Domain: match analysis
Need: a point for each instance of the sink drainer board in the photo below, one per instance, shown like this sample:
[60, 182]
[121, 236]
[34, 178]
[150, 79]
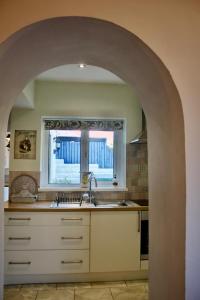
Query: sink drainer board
[68, 198]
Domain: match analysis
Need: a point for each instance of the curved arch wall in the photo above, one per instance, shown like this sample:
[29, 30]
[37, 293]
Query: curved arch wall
[58, 41]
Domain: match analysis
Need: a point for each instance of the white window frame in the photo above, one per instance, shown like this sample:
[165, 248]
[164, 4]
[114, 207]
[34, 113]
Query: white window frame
[119, 163]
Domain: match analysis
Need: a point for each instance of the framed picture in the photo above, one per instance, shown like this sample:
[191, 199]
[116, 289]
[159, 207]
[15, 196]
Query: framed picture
[25, 144]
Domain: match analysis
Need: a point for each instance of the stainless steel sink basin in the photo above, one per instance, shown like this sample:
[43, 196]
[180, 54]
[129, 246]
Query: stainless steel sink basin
[122, 203]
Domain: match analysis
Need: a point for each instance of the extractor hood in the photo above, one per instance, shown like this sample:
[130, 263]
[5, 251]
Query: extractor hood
[141, 138]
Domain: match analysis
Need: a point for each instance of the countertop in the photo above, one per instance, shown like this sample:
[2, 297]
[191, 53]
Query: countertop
[45, 206]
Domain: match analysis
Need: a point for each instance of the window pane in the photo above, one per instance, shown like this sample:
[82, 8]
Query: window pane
[101, 154]
[64, 156]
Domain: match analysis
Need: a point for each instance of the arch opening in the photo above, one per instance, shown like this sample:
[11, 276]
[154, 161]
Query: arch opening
[69, 40]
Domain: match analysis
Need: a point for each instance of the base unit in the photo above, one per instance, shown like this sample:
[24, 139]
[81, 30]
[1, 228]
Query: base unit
[46, 262]
[72, 247]
[115, 241]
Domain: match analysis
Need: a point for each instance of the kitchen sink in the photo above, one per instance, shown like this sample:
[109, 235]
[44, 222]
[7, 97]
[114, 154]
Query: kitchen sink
[121, 203]
[96, 203]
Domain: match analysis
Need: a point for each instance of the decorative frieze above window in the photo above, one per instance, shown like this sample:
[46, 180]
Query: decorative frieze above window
[74, 124]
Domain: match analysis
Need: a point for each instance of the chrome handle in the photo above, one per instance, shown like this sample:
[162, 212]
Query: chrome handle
[20, 238]
[19, 219]
[71, 238]
[71, 219]
[19, 262]
[71, 261]
[139, 221]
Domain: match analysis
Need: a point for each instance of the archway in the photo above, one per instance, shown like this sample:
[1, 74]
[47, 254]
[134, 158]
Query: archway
[67, 40]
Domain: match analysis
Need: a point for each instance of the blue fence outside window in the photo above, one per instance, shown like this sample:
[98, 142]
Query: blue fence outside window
[68, 149]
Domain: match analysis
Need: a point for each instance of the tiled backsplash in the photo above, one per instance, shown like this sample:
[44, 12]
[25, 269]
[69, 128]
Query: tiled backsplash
[136, 177]
[137, 171]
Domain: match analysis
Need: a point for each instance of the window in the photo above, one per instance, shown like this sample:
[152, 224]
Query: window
[74, 146]
[101, 154]
[64, 157]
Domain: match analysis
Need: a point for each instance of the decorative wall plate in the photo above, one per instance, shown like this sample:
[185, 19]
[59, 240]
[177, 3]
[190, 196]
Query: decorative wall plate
[23, 188]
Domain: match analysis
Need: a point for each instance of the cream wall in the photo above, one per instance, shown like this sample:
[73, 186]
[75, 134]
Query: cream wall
[26, 98]
[29, 91]
[74, 99]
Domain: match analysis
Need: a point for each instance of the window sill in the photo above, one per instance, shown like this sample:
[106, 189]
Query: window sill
[79, 189]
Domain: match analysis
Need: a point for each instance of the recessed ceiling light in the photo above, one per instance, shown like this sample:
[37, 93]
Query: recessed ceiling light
[82, 66]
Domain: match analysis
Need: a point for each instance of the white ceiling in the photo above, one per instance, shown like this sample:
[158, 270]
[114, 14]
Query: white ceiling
[74, 73]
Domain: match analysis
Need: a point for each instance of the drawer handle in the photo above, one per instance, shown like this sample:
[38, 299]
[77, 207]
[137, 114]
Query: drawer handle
[71, 261]
[19, 219]
[19, 262]
[28, 238]
[71, 238]
[71, 219]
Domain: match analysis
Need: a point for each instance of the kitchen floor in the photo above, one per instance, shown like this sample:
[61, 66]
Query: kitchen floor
[118, 290]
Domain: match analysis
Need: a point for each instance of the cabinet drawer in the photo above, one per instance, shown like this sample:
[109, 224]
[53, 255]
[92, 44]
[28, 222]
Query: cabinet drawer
[46, 262]
[47, 218]
[46, 237]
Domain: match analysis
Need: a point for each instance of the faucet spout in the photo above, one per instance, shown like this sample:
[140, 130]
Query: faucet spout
[91, 178]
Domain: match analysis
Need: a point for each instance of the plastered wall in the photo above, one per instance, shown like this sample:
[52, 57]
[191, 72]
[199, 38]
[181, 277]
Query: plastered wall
[74, 99]
[171, 30]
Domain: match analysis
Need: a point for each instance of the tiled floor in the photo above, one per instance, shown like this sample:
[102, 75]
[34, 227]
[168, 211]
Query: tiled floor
[119, 290]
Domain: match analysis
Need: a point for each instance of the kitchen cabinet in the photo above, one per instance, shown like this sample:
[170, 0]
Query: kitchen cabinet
[115, 241]
[46, 243]
[85, 245]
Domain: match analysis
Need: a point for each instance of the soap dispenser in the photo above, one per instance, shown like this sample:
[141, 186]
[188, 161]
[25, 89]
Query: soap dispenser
[114, 181]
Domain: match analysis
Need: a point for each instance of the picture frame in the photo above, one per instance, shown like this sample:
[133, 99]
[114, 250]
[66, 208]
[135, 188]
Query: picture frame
[25, 144]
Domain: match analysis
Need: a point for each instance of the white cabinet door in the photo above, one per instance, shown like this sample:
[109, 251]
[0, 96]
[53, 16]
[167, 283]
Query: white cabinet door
[115, 241]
